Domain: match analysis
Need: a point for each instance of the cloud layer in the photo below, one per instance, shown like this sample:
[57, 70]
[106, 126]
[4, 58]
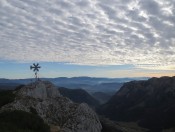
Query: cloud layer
[88, 32]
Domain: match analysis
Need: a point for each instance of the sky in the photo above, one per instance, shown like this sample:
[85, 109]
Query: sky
[98, 38]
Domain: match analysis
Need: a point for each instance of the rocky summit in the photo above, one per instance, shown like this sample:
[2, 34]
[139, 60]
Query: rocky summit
[63, 115]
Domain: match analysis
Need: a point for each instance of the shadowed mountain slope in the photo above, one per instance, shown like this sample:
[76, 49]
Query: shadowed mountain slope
[150, 103]
[79, 96]
[102, 96]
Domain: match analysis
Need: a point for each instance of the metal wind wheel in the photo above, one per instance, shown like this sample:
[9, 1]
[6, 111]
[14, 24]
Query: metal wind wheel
[35, 68]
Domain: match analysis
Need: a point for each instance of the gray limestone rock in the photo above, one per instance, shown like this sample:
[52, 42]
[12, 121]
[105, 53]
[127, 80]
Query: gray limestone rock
[54, 109]
[40, 89]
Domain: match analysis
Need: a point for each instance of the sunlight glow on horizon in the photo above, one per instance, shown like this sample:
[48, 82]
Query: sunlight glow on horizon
[53, 70]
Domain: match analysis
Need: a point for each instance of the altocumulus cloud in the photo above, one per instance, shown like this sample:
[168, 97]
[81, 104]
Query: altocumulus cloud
[88, 32]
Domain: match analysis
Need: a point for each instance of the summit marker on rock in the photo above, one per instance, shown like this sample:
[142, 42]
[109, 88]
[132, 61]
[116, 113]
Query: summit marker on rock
[35, 68]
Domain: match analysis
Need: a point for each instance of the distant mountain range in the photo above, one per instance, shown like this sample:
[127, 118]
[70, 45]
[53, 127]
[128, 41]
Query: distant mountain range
[90, 84]
[8, 86]
[151, 103]
[74, 80]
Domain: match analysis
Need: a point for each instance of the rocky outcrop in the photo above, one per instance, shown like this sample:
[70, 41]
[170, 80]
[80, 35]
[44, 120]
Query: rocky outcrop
[39, 89]
[44, 99]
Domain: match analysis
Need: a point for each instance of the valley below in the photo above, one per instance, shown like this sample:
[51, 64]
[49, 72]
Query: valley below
[138, 106]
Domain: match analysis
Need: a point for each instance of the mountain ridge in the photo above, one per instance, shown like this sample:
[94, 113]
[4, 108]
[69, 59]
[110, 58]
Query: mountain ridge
[28, 80]
[79, 96]
[150, 103]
